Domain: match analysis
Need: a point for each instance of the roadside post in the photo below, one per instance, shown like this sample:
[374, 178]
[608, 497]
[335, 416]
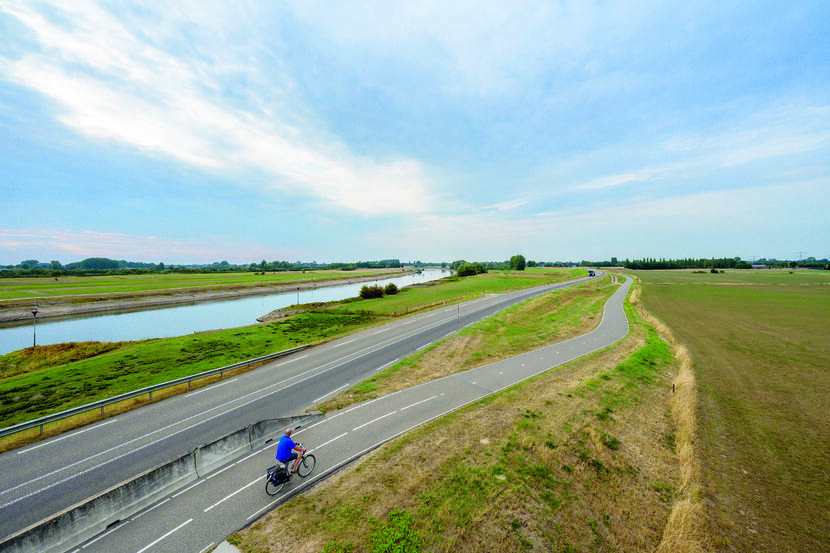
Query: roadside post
[34, 327]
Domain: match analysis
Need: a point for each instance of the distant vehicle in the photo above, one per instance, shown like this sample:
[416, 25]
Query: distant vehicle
[591, 273]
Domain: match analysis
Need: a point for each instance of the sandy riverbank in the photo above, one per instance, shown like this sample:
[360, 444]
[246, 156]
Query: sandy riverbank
[21, 310]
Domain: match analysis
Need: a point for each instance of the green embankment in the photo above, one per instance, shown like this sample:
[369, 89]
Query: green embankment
[36, 384]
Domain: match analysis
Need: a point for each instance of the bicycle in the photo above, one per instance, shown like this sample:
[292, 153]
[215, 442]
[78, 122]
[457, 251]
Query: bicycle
[278, 475]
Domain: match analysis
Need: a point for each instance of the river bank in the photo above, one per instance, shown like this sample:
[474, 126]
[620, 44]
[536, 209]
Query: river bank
[12, 311]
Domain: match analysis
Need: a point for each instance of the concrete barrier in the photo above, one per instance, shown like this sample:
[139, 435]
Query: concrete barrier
[89, 518]
[80, 522]
[270, 429]
[215, 454]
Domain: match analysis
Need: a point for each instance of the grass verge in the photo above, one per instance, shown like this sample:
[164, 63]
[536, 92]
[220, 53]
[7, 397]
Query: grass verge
[580, 458]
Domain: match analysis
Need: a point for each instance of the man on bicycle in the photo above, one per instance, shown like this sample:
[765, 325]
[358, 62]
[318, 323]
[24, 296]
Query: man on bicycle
[288, 450]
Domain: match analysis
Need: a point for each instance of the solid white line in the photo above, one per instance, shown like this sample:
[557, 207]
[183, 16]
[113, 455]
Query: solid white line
[249, 456]
[105, 534]
[204, 549]
[374, 420]
[219, 472]
[333, 439]
[182, 525]
[321, 398]
[141, 514]
[264, 508]
[188, 488]
[344, 343]
[50, 442]
[389, 364]
[211, 387]
[420, 402]
[246, 486]
[422, 347]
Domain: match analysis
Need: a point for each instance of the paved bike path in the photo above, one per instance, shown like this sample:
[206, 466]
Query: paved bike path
[197, 518]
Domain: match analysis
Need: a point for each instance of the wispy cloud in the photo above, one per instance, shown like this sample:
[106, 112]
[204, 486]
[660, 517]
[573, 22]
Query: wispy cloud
[113, 83]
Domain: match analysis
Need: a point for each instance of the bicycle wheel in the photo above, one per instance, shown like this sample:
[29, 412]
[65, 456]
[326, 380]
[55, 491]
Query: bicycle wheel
[307, 464]
[271, 488]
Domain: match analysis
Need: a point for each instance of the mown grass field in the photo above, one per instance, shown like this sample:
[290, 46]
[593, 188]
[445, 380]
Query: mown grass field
[50, 379]
[760, 346]
[581, 458]
[21, 288]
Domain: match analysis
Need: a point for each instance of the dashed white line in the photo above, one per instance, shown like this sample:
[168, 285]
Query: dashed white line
[243, 488]
[420, 402]
[343, 343]
[330, 441]
[179, 527]
[374, 420]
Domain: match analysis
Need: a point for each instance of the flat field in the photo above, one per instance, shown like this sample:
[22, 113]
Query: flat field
[21, 288]
[760, 346]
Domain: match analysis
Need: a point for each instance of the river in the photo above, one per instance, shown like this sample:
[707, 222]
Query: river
[184, 319]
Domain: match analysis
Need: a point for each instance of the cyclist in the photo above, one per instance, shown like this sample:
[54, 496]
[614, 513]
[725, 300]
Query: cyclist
[288, 450]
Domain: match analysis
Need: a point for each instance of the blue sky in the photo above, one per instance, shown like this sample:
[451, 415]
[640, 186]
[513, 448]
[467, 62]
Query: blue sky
[186, 133]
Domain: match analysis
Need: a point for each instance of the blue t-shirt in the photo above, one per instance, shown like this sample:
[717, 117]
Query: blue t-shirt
[284, 448]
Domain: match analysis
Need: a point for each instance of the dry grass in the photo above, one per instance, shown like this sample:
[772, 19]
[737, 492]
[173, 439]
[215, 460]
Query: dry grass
[578, 459]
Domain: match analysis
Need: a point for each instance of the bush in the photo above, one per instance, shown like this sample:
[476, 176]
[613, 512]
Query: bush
[368, 292]
[391, 289]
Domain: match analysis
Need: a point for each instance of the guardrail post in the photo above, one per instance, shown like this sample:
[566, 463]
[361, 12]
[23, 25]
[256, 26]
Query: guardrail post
[102, 410]
[41, 430]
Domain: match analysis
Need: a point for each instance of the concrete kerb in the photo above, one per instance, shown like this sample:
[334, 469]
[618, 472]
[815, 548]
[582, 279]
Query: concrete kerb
[90, 517]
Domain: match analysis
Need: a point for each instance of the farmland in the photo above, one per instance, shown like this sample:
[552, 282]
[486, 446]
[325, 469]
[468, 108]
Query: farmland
[760, 347]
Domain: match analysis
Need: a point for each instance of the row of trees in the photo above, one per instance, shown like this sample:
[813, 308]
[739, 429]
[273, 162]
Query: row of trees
[103, 265]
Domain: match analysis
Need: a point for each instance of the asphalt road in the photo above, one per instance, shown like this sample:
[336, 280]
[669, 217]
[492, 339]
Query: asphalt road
[202, 515]
[45, 478]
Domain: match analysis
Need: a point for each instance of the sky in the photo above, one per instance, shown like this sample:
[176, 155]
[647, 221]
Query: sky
[193, 132]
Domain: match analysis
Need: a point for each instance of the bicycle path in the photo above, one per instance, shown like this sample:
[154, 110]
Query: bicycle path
[199, 517]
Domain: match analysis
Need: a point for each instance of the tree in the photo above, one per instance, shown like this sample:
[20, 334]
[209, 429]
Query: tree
[368, 292]
[391, 289]
[466, 269]
[518, 262]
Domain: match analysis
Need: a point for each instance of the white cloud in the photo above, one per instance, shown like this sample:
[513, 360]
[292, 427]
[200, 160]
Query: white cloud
[115, 84]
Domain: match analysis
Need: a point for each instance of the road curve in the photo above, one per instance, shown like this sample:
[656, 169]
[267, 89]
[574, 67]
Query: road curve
[202, 515]
[45, 478]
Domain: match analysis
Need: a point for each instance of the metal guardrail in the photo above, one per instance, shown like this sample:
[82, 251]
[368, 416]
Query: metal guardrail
[148, 390]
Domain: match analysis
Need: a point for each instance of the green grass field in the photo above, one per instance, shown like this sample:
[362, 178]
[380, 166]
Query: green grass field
[54, 378]
[760, 344]
[21, 288]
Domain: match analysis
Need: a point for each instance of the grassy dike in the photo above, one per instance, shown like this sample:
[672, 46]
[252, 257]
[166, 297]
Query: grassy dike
[50, 379]
[581, 458]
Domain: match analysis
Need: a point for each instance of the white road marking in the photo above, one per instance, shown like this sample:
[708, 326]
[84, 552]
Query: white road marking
[211, 387]
[218, 472]
[206, 548]
[105, 534]
[243, 488]
[188, 488]
[321, 398]
[374, 420]
[179, 527]
[142, 513]
[333, 439]
[344, 343]
[27, 450]
[420, 402]
[389, 364]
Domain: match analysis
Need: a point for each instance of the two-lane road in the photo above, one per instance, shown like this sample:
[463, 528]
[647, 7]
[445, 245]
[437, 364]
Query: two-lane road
[40, 480]
[198, 517]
